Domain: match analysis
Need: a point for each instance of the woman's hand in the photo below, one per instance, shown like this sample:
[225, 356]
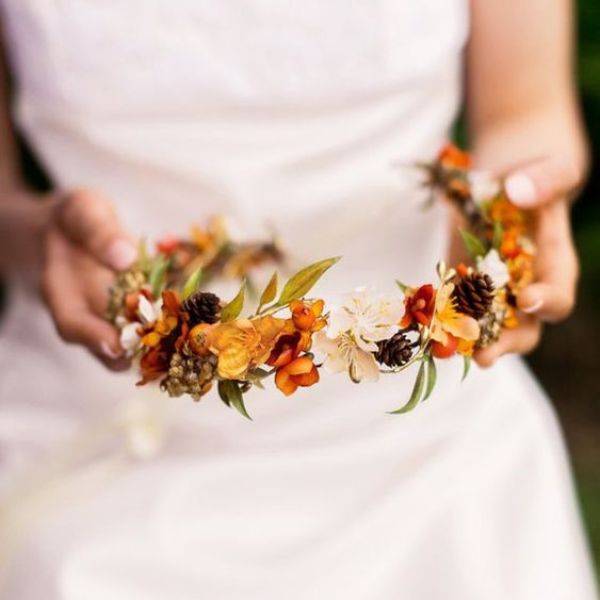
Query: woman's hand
[84, 246]
[544, 187]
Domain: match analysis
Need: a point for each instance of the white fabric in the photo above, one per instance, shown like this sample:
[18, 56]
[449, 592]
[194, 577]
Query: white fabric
[284, 115]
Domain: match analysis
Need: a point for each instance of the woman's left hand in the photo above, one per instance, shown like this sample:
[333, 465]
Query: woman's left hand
[545, 188]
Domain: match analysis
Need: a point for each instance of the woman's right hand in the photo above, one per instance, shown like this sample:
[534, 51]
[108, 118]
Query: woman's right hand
[84, 245]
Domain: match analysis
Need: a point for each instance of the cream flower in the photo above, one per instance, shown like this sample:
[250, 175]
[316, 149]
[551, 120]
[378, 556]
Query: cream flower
[343, 354]
[493, 266]
[368, 319]
[447, 320]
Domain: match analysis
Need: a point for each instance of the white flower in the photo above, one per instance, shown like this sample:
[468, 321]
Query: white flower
[130, 338]
[493, 266]
[148, 313]
[343, 354]
[483, 186]
[369, 319]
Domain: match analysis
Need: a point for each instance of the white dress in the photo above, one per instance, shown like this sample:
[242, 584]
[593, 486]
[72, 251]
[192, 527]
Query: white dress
[285, 115]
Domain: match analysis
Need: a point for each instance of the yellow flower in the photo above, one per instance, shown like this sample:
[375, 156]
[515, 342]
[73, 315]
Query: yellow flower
[243, 343]
[448, 321]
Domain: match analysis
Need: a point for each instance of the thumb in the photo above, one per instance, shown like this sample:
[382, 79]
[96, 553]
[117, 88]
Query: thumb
[87, 218]
[542, 181]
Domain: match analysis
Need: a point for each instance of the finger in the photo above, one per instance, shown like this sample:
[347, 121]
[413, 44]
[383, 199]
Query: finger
[95, 282]
[552, 296]
[89, 219]
[521, 340]
[543, 181]
[73, 319]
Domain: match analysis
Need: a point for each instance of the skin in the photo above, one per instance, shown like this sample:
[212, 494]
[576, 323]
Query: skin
[523, 120]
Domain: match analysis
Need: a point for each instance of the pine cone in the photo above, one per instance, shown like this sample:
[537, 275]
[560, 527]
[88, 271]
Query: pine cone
[394, 352]
[189, 374]
[474, 295]
[202, 307]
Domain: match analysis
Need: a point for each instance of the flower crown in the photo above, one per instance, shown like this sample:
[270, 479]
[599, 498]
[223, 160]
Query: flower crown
[189, 339]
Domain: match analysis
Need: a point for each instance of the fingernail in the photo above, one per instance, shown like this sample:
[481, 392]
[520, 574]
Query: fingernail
[521, 190]
[121, 254]
[533, 307]
[109, 352]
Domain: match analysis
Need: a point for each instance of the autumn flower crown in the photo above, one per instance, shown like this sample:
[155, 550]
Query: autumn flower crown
[188, 339]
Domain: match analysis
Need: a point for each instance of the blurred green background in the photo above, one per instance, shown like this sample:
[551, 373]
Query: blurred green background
[568, 360]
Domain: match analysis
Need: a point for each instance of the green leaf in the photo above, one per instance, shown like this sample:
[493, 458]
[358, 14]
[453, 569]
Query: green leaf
[475, 247]
[222, 388]
[302, 282]
[498, 232]
[157, 275]
[431, 376]
[416, 394]
[230, 393]
[269, 292]
[192, 284]
[143, 259]
[232, 310]
[466, 366]
[403, 287]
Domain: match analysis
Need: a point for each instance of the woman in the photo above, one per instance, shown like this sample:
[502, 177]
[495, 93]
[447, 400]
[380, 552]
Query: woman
[149, 116]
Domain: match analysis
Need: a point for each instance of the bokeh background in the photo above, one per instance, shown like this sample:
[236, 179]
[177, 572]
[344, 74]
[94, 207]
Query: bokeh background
[568, 359]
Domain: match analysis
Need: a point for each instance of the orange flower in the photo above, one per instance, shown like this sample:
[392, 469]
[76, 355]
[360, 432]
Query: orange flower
[503, 211]
[307, 317]
[445, 349]
[167, 322]
[288, 347]
[419, 306]
[452, 157]
[243, 343]
[300, 372]
[521, 271]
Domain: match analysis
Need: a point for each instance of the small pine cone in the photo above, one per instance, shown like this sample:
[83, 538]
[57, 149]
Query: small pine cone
[202, 307]
[474, 295]
[394, 352]
[189, 375]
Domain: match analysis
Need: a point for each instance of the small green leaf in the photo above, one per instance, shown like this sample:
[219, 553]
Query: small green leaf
[223, 389]
[302, 282]
[232, 310]
[416, 394]
[157, 275]
[403, 287]
[498, 232]
[230, 393]
[143, 260]
[473, 244]
[269, 292]
[431, 376]
[466, 366]
[192, 284]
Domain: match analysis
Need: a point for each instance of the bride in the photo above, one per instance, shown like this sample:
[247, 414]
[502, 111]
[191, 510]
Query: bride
[283, 115]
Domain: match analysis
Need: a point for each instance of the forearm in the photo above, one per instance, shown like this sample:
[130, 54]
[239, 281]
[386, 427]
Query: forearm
[521, 96]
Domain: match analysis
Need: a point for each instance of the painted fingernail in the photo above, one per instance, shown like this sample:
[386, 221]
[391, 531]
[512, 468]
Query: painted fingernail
[533, 307]
[109, 352]
[520, 188]
[121, 254]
